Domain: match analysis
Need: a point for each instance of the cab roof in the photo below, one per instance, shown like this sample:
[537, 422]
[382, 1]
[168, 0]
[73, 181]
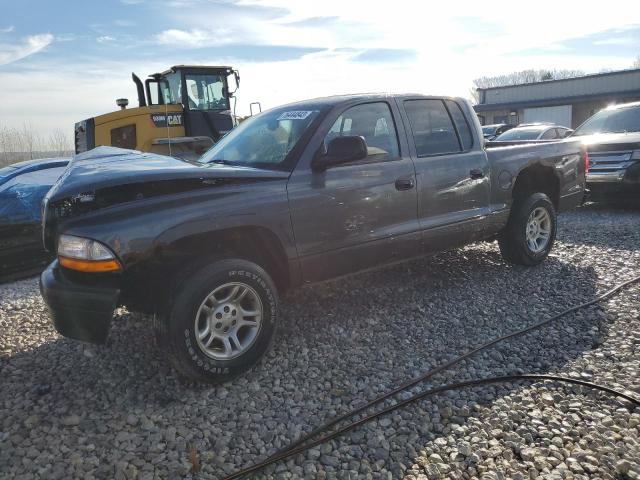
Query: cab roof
[196, 67]
[335, 100]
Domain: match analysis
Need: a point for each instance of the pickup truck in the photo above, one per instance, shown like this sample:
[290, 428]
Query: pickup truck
[298, 194]
[612, 140]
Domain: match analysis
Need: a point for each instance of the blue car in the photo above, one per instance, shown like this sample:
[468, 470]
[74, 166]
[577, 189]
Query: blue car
[22, 187]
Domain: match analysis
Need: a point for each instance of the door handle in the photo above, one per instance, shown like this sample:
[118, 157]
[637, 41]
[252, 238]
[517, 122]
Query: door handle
[405, 184]
[476, 173]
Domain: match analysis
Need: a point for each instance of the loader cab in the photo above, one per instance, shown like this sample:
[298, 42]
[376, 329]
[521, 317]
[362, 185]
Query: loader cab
[181, 112]
[204, 94]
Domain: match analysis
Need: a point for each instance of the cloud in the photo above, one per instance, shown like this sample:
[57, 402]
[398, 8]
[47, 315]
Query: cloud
[195, 38]
[12, 52]
[288, 50]
[313, 22]
[105, 39]
[386, 55]
[8, 29]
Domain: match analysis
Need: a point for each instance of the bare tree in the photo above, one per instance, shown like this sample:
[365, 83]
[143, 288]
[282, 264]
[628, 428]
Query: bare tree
[18, 144]
[31, 141]
[59, 143]
[525, 76]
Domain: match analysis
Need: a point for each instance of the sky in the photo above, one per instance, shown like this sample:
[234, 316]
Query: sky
[65, 60]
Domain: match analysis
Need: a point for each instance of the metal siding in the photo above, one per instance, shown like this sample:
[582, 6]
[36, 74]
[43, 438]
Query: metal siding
[559, 115]
[624, 81]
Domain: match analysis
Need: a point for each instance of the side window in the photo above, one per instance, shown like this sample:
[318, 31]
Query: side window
[549, 134]
[374, 123]
[432, 129]
[461, 124]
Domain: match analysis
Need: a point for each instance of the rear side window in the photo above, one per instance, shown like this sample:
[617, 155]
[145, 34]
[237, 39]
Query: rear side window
[374, 123]
[433, 132]
[549, 134]
[461, 124]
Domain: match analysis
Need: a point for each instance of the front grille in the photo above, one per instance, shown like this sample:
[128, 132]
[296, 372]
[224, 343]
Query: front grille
[609, 162]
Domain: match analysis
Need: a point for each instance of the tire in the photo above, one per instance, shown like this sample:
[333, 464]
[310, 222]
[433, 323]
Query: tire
[517, 242]
[200, 305]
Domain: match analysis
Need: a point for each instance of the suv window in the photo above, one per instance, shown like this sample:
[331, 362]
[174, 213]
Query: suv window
[461, 124]
[432, 129]
[374, 123]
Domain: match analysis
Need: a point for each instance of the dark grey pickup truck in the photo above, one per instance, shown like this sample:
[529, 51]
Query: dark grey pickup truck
[298, 194]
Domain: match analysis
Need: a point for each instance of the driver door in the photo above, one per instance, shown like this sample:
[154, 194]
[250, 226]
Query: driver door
[361, 214]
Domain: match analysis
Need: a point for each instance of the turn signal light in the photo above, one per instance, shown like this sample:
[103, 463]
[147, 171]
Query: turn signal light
[90, 265]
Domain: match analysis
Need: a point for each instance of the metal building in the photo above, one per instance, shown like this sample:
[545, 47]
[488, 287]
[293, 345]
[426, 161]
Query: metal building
[567, 102]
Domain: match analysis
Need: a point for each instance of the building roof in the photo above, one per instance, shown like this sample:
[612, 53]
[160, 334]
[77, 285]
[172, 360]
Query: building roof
[550, 102]
[602, 86]
[590, 75]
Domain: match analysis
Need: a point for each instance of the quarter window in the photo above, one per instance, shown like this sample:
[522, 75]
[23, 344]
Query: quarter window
[374, 123]
[549, 134]
[461, 124]
[432, 129]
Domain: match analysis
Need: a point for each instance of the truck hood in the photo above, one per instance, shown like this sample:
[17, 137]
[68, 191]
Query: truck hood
[607, 142]
[106, 167]
[107, 176]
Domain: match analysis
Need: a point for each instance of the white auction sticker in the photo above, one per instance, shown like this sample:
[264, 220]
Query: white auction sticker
[294, 115]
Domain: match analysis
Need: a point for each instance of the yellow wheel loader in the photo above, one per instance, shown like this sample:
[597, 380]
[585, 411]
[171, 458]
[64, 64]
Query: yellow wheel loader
[181, 112]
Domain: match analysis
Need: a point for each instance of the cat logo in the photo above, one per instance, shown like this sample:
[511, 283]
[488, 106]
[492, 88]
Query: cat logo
[170, 120]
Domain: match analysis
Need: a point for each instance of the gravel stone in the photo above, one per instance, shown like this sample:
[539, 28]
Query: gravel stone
[119, 411]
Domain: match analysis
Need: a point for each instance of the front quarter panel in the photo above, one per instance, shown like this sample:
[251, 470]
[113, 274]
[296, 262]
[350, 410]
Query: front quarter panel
[146, 235]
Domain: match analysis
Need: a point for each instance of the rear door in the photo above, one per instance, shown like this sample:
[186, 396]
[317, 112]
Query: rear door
[452, 172]
[360, 214]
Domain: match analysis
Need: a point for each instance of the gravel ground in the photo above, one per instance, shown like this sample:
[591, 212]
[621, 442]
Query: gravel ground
[67, 411]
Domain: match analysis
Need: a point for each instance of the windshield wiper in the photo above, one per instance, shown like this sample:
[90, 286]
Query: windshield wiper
[219, 161]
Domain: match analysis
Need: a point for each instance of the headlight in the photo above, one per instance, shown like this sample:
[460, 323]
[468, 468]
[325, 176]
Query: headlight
[635, 155]
[86, 255]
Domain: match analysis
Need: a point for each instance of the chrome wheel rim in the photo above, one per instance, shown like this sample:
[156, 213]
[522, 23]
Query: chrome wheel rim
[538, 230]
[228, 321]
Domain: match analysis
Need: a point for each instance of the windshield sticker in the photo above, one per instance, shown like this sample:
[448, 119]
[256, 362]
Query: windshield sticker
[294, 115]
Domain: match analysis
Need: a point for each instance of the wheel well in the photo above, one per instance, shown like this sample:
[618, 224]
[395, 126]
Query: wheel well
[537, 178]
[256, 244]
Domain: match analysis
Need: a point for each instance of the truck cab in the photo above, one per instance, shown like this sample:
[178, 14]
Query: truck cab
[298, 194]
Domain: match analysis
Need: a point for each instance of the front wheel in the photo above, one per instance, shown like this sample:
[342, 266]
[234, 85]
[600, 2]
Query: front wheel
[221, 322]
[530, 232]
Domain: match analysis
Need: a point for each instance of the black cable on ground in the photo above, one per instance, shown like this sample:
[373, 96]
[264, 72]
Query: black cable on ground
[420, 396]
[297, 446]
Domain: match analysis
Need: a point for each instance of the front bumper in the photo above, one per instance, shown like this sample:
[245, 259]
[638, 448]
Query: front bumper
[78, 310]
[606, 177]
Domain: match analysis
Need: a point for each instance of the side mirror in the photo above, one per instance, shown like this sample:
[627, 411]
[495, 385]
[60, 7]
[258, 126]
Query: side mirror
[341, 150]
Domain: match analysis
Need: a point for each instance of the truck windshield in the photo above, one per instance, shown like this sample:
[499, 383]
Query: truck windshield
[615, 120]
[262, 141]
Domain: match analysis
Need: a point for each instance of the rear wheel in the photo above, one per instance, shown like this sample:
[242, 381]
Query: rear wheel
[221, 322]
[530, 232]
